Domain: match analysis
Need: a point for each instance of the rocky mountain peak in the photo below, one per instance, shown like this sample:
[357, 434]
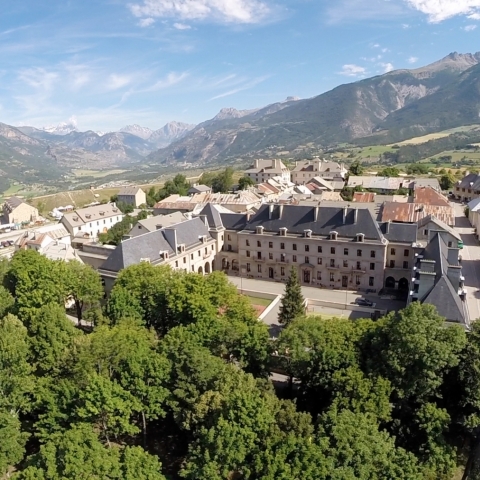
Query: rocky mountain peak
[228, 113]
[63, 128]
[137, 130]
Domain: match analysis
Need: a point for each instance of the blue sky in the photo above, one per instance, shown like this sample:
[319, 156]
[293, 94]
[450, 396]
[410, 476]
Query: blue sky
[108, 63]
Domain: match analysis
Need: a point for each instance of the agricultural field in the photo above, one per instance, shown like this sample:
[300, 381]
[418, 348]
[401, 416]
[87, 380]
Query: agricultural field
[96, 173]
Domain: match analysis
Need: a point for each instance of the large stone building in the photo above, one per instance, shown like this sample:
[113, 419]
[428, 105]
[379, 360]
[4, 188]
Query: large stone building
[306, 170]
[190, 246]
[16, 211]
[92, 221]
[132, 196]
[331, 247]
[262, 170]
[468, 187]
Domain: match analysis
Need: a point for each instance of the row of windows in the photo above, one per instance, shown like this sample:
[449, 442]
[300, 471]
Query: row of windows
[358, 278]
[191, 255]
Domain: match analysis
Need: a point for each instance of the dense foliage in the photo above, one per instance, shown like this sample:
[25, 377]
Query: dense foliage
[172, 382]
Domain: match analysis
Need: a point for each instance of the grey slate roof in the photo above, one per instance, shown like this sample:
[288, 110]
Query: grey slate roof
[472, 180]
[441, 225]
[127, 191]
[199, 189]
[14, 202]
[213, 216]
[298, 218]
[151, 244]
[399, 232]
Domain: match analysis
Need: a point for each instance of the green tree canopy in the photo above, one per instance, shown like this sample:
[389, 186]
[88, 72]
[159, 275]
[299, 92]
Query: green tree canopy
[292, 305]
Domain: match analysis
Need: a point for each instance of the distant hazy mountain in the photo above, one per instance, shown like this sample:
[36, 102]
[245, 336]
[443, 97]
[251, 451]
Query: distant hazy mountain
[169, 133]
[399, 103]
[63, 128]
[142, 132]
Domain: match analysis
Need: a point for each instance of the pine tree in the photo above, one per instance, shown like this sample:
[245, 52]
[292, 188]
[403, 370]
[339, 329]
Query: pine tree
[292, 301]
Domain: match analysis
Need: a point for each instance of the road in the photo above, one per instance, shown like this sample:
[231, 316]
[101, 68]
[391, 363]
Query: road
[470, 261]
[339, 296]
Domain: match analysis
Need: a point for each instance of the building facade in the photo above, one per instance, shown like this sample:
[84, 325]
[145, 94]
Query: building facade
[16, 211]
[132, 196]
[306, 170]
[92, 221]
[263, 170]
[468, 188]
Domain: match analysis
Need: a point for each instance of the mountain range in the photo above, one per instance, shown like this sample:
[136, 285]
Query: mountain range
[383, 109]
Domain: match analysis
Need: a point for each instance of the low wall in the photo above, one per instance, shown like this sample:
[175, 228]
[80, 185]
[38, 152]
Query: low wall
[275, 299]
[353, 307]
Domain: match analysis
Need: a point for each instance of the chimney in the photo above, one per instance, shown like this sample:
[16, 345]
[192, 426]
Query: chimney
[256, 163]
[317, 211]
[355, 215]
[270, 211]
[171, 237]
[204, 220]
[345, 211]
[387, 226]
[280, 211]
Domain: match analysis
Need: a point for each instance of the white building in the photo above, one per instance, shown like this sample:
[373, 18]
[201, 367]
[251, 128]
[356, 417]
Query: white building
[306, 170]
[263, 170]
[92, 220]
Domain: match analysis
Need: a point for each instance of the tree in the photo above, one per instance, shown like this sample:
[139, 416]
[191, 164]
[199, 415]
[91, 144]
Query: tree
[115, 235]
[84, 285]
[389, 172]
[223, 182]
[6, 301]
[12, 446]
[245, 182]
[292, 305]
[447, 181]
[356, 168]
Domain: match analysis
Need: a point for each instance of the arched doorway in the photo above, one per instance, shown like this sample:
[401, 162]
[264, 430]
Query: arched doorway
[306, 276]
[403, 284]
[235, 265]
[390, 282]
[224, 263]
[207, 267]
[200, 270]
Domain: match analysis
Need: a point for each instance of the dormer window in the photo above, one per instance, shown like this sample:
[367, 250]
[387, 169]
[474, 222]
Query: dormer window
[181, 248]
[360, 237]
[259, 230]
[164, 255]
[88, 215]
[307, 233]
[283, 232]
[333, 235]
[102, 213]
[145, 260]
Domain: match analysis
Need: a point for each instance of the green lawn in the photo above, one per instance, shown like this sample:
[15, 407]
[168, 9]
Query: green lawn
[261, 302]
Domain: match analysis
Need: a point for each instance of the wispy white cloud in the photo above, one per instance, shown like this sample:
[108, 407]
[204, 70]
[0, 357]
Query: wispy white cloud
[246, 86]
[440, 10]
[181, 26]
[353, 11]
[405, 26]
[38, 78]
[115, 81]
[351, 70]
[224, 11]
[387, 67]
[146, 22]
[412, 60]
[172, 78]
[469, 28]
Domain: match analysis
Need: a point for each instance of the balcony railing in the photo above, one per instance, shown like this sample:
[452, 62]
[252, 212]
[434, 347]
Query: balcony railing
[333, 267]
[283, 260]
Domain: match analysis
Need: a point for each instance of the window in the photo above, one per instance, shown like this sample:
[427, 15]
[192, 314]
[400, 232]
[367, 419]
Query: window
[282, 257]
[200, 253]
[282, 271]
[371, 281]
[319, 275]
[248, 253]
[259, 268]
[247, 243]
[270, 256]
[259, 243]
[332, 250]
[332, 277]
[248, 267]
[228, 237]
[332, 262]
[359, 253]
[357, 279]
[282, 246]
[345, 251]
[184, 259]
[372, 253]
[372, 266]
[406, 252]
[259, 255]
[405, 264]
[176, 263]
[191, 256]
[392, 263]
[392, 251]
[213, 247]
[345, 264]
[206, 250]
[319, 249]
[307, 248]
[450, 245]
[307, 260]
[425, 232]
[270, 244]
[294, 258]
[319, 260]
[294, 246]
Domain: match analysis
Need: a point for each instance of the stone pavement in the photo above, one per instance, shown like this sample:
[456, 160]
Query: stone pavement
[470, 261]
[339, 296]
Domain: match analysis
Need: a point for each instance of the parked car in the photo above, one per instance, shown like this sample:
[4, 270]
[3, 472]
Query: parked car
[5, 244]
[364, 302]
